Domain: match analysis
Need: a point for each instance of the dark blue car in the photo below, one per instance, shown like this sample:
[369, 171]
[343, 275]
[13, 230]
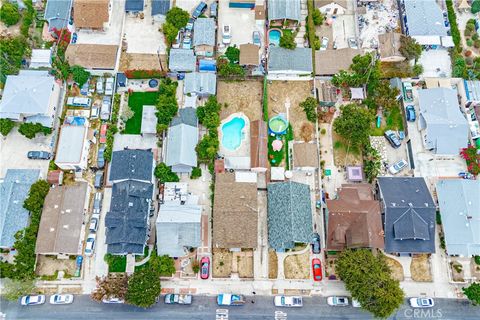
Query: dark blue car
[410, 111]
[199, 10]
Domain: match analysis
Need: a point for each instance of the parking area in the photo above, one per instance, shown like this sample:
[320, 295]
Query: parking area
[343, 28]
[436, 63]
[377, 18]
[151, 40]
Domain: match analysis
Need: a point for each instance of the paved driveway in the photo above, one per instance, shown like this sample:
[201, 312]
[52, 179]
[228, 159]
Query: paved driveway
[436, 63]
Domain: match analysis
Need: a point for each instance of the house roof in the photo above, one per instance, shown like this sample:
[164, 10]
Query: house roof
[149, 120]
[446, 127]
[409, 215]
[90, 14]
[284, 9]
[41, 58]
[182, 140]
[354, 219]
[70, 143]
[13, 191]
[200, 83]
[330, 62]
[127, 220]
[132, 164]
[424, 18]
[182, 60]
[389, 44]
[249, 55]
[134, 5]
[57, 13]
[204, 32]
[92, 56]
[298, 59]
[62, 217]
[289, 214]
[322, 3]
[160, 7]
[27, 93]
[459, 201]
[258, 144]
[186, 116]
[235, 213]
[305, 155]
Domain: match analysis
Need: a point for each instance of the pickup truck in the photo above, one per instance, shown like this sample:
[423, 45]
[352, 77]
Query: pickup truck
[178, 299]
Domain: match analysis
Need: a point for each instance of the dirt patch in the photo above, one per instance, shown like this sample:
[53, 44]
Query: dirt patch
[245, 264]
[396, 267]
[141, 61]
[297, 266]
[342, 154]
[222, 263]
[457, 271]
[241, 96]
[420, 268]
[281, 92]
[475, 269]
[330, 268]
[272, 264]
[48, 266]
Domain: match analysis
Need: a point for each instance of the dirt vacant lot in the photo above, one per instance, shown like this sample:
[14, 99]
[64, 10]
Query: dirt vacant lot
[241, 96]
[272, 265]
[420, 268]
[245, 264]
[47, 266]
[293, 92]
[297, 266]
[222, 263]
[396, 267]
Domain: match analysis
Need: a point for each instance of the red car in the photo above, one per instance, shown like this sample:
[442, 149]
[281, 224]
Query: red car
[204, 267]
[103, 133]
[317, 269]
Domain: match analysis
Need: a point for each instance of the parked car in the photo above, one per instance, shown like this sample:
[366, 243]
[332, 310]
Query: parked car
[32, 300]
[256, 38]
[187, 43]
[178, 299]
[421, 302]
[352, 43]
[100, 85]
[398, 166]
[103, 133]
[316, 248]
[337, 301]
[101, 157]
[317, 269]
[84, 90]
[90, 244]
[105, 111]
[226, 34]
[97, 203]
[227, 299]
[205, 267]
[39, 155]
[213, 10]
[392, 139]
[61, 299]
[199, 10]
[288, 301]
[93, 225]
[98, 183]
[113, 300]
[95, 112]
[410, 111]
[324, 44]
[74, 37]
[109, 86]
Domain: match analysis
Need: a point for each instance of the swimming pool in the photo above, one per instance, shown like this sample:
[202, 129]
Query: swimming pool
[274, 37]
[232, 133]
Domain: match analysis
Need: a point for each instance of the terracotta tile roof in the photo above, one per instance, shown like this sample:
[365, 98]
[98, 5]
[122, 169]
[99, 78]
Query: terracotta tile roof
[90, 14]
[92, 56]
[258, 144]
[305, 155]
[249, 54]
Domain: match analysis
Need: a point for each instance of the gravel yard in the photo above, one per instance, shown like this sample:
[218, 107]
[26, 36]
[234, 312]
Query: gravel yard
[241, 96]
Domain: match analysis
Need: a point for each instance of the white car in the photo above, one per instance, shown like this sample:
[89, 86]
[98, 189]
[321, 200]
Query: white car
[337, 301]
[288, 301]
[61, 299]
[398, 166]
[421, 302]
[226, 34]
[112, 300]
[100, 85]
[93, 225]
[109, 86]
[32, 300]
[324, 44]
[90, 246]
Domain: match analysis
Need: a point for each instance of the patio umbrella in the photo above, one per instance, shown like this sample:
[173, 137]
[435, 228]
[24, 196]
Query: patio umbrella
[277, 145]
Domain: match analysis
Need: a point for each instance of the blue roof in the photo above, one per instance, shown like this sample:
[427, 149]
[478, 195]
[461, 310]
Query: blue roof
[134, 5]
[160, 7]
[13, 192]
[57, 13]
[207, 65]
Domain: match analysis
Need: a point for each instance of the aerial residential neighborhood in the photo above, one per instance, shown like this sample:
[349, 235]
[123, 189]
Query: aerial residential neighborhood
[239, 159]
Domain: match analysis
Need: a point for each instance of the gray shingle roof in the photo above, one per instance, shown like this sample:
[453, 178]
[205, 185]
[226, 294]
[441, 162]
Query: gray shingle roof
[299, 59]
[132, 164]
[201, 83]
[289, 215]
[459, 202]
[57, 13]
[204, 32]
[182, 60]
[13, 192]
[424, 18]
[160, 7]
[181, 142]
[186, 116]
[446, 127]
[409, 215]
[284, 9]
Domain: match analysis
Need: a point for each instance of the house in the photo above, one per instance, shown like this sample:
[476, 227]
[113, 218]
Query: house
[331, 7]
[73, 147]
[179, 221]
[96, 58]
[91, 14]
[249, 55]
[182, 60]
[149, 120]
[57, 14]
[182, 140]
[409, 215]
[204, 36]
[14, 189]
[282, 12]
[132, 164]
[459, 202]
[202, 84]
[235, 213]
[423, 20]
[61, 224]
[329, 62]
[160, 9]
[134, 6]
[304, 156]
[472, 92]
[389, 47]
[30, 96]
[289, 215]
[41, 58]
[258, 146]
[441, 122]
[354, 219]
[285, 63]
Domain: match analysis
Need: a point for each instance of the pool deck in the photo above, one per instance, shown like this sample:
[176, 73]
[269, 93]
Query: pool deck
[244, 149]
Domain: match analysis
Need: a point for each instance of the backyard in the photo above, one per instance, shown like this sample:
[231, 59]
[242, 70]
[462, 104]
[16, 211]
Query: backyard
[240, 96]
[136, 101]
[420, 268]
[344, 155]
[391, 120]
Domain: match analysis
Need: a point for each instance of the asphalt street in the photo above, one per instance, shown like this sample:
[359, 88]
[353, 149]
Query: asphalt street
[204, 307]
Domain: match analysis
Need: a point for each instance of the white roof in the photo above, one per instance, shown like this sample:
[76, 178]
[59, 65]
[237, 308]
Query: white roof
[70, 144]
[237, 163]
[447, 42]
[40, 58]
[191, 101]
[245, 176]
[428, 40]
[277, 173]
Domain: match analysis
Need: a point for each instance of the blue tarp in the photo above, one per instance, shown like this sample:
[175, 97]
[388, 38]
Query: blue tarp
[207, 66]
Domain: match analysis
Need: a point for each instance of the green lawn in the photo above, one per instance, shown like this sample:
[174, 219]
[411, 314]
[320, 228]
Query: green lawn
[393, 121]
[136, 101]
[275, 157]
[116, 263]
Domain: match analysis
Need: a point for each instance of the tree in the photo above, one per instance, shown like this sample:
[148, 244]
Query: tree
[170, 32]
[410, 48]
[196, 173]
[30, 130]
[143, 288]
[371, 163]
[386, 96]
[354, 124]
[287, 40]
[318, 17]
[369, 280]
[80, 75]
[14, 289]
[207, 147]
[164, 174]
[6, 125]
[36, 196]
[475, 6]
[13, 49]
[111, 286]
[417, 69]
[233, 54]
[9, 14]
[473, 293]
[225, 68]
[177, 17]
[310, 108]
[164, 265]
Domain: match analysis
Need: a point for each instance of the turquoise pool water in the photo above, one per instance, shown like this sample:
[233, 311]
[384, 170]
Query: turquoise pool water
[232, 133]
[274, 37]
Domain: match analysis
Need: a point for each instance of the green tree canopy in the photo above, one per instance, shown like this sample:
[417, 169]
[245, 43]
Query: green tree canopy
[170, 32]
[208, 114]
[80, 75]
[9, 14]
[233, 54]
[30, 130]
[354, 124]
[164, 174]
[167, 106]
[177, 17]
[410, 48]
[163, 265]
[207, 147]
[143, 288]
[225, 68]
[371, 163]
[6, 125]
[318, 17]
[287, 40]
[385, 95]
[14, 289]
[13, 49]
[309, 105]
[475, 6]
[473, 293]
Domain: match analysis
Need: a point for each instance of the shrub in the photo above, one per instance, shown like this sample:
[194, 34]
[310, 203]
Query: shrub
[309, 106]
[417, 69]
[470, 42]
[318, 17]
[475, 8]
[233, 54]
[9, 14]
[467, 32]
[143, 74]
[476, 44]
[226, 69]
[475, 36]
[287, 40]
[165, 174]
[452, 17]
[30, 130]
[196, 173]
[477, 259]
[323, 131]
[438, 218]
[469, 61]
[6, 125]
[177, 17]
[195, 266]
